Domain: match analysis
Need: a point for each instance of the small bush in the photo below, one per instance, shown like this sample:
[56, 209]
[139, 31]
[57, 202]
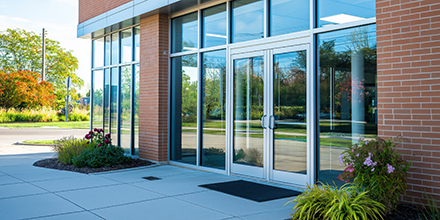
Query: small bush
[377, 167]
[68, 148]
[104, 156]
[41, 115]
[330, 203]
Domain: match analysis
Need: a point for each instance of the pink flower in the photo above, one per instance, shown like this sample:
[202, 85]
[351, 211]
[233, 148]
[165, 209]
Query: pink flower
[107, 142]
[96, 130]
[390, 168]
[99, 145]
[340, 160]
[90, 132]
[107, 136]
[88, 136]
[366, 142]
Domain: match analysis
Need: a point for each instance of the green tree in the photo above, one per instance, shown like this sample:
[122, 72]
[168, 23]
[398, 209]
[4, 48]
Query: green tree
[21, 50]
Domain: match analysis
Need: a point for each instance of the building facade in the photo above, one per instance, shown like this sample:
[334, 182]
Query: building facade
[271, 89]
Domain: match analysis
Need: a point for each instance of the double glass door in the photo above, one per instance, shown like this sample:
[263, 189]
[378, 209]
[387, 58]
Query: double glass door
[269, 117]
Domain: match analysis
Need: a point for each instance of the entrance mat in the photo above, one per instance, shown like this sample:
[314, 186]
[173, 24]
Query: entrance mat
[252, 191]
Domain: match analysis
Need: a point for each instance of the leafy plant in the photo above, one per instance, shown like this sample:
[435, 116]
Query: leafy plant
[330, 203]
[377, 167]
[429, 210]
[103, 156]
[68, 148]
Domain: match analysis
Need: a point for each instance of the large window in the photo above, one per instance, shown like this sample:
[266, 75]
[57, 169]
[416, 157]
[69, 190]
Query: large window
[334, 12]
[214, 26]
[184, 110]
[214, 109]
[115, 98]
[247, 20]
[185, 30]
[289, 16]
[347, 94]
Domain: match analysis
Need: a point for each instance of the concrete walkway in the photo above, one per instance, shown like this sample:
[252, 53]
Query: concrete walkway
[28, 192]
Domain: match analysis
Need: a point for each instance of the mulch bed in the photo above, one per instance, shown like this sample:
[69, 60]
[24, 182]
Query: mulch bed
[53, 163]
[405, 212]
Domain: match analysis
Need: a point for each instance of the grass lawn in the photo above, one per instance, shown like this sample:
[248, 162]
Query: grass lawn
[40, 142]
[70, 124]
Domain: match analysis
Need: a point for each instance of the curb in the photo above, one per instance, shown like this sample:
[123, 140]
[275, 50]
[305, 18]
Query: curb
[49, 145]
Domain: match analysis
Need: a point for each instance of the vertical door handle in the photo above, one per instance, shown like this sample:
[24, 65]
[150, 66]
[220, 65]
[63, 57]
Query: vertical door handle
[262, 121]
[270, 124]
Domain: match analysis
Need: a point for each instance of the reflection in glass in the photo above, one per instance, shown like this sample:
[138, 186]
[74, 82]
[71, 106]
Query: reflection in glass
[107, 46]
[114, 105]
[184, 109]
[214, 26]
[136, 110]
[248, 110]
[106, 99]
[289, 98]
[98, 52]
[137, 43]
[97, 99]
[125, 109]
[332, 12]
[288, 16]
[348, 98]
[126, 46]
[184, 33]
[214, 109]
[115, 48]
[247, 20]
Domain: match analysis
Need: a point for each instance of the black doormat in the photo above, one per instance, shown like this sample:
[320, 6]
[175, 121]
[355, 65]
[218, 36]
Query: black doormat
[252, 191]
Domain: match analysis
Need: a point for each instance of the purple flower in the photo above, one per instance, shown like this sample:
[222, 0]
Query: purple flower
[107, 136]
[95, 130]
[358, 141]
[99, 145]
[101, 130]
[88, 136]
[357, 155]
[90, 132]
[368, 161]
[390, 168]
[107, 142]
[340, 160]
[366, 142]
[88, 142]
[372, 169]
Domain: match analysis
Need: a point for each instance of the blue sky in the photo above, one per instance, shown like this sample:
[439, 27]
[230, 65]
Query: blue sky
[59, 17]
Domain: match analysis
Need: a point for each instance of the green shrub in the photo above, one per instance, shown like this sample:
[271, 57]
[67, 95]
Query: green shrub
[68, 148]
[103, 156]
[430, 209]
[41, 115]
[330, 203]
[377, 167]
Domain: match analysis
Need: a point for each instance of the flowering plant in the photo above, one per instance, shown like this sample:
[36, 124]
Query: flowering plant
[377, 167]
[97, 136]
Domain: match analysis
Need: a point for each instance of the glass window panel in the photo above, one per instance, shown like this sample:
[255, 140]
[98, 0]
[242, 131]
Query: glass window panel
[247, 20]
[125, 109]
[137, 43]
[115, 48]
[107, 50]
[98, 52]
[289, 99]
[214, 109]
[106, 99]
[348, 94]
[248, 110]
[114, 105]
[184, 109]
[98, 92]
[184, 33]
[332, 12]
[288, 16]
[214, 26]
[126, 49]
[136, 110]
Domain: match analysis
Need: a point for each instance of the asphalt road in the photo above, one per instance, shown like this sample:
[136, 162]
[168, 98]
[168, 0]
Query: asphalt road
[9, 136]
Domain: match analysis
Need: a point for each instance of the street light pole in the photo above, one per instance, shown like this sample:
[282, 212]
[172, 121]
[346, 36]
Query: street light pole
[43, 71]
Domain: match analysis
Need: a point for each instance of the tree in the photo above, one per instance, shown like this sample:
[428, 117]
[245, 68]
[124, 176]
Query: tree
[21, 50]
[22, 89]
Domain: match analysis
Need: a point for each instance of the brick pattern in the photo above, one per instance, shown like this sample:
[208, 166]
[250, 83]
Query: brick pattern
[408, 80]
[153, 91]
[91, 8]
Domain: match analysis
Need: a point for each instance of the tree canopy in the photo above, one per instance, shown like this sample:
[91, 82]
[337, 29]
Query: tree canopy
[21, 50]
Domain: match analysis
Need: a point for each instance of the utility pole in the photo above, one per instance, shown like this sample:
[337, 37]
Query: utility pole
[43, 71]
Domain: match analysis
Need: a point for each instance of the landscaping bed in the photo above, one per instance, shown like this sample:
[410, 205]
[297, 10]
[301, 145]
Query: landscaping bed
[406, 212]
[54, 163]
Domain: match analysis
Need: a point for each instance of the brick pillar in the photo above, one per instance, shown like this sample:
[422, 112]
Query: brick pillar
[153, 92]
[408, 81]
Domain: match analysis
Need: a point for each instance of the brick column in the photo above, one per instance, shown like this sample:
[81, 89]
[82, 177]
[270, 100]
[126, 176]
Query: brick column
[408, 81]
[153, 92]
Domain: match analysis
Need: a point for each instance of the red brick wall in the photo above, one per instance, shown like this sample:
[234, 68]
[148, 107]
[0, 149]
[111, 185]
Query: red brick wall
[408, 61]
[92, 8]
[153, 92]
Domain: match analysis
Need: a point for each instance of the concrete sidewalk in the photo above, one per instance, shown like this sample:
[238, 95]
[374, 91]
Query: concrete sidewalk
[28, 192]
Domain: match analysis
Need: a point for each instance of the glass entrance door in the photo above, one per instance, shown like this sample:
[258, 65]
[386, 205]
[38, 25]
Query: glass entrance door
[270, 138]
